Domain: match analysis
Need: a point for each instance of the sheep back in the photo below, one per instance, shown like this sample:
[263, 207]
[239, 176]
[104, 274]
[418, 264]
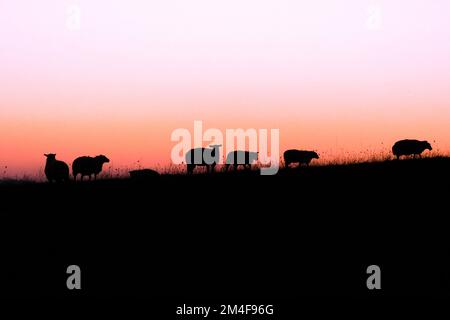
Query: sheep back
[86, 166]
[299, 156]
[241, 157]
[143, 174]
[202, 156]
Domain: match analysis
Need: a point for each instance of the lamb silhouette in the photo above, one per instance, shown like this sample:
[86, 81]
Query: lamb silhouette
[299, 156]
[203, 157]
[240, 158]
[410, 147]
[56, 170]
[88, 166]
[143, 174]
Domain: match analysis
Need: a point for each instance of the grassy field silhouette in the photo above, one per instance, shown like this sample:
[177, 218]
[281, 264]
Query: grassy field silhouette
[304, 231]
[375, 163]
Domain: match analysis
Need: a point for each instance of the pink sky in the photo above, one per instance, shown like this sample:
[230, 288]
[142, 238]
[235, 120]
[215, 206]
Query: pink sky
[320, 71]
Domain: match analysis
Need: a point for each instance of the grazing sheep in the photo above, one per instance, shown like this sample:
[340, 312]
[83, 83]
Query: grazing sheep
[299, 156]
[203, 157]
[88, 166]
[143, 174]
[237, 158]
[56, 170]
[410, 147]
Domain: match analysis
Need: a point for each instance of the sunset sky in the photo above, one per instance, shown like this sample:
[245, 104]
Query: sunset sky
[333, 76]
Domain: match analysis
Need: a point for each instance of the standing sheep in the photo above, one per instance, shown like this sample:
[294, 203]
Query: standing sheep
[237, 158]
[410, 147]
[56, 170]
[88, 166]
[299, 156]
[203, 157]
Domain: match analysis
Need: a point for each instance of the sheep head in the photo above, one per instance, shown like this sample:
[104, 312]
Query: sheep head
[50, 156]
[427, 145]
[102, 159]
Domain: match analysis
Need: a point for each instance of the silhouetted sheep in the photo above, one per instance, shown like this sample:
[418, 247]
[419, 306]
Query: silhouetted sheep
[88, 166]
[410, 147]
[203, 157]
[143, 174]
[56, 170]
[237, 158]
[299, 156]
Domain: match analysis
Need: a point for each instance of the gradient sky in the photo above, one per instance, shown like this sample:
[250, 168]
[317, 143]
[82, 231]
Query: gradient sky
[333, 76]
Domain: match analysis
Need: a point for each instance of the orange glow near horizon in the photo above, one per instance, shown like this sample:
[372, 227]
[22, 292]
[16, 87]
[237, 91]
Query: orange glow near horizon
[135, 71]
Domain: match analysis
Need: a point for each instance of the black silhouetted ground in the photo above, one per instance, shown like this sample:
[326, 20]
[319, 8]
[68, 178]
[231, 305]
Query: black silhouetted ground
[307, 231]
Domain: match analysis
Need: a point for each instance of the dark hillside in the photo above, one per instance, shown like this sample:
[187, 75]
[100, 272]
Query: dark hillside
[307, 231]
